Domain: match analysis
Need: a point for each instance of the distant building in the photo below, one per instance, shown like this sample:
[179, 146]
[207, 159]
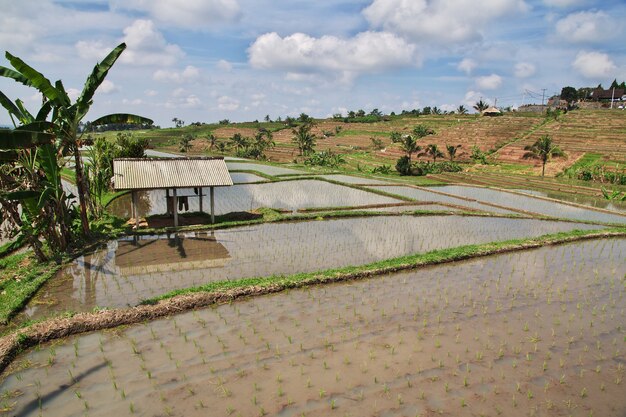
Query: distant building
[492, 111]
[600, 94]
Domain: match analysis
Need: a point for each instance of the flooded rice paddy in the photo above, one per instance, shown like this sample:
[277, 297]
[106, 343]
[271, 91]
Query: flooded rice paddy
[133, 269]
[349, 179]
[598, 202]
[265, 169]
[288, 195]
[535, 205]
[244, 177]
[539, 332]
[504, 199]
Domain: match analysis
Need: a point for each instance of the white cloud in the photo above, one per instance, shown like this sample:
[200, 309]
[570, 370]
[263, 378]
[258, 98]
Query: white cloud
[92, 50]
[189, 74]
[107, 87]
[489, 82]
[196, 14]
[467, 65]
[227, 103]
[151, 93]
[73, 93]
[563, 3]
[224, 65]
[440, 21]
[593, 64]
[472, 97]
[524, 70]
[147, 46]
[587, 27]
[302, 54]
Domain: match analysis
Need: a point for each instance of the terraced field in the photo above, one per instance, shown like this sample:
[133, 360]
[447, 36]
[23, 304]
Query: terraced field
[577, 132]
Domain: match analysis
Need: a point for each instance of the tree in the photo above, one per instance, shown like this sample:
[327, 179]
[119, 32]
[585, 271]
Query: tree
[185, 142]
[433, 150]
[426, 110]
[543, 149]
[66, 117]
[178, 123]
[461, 109]
[304, 139]
[408, 144]
[360, 113]
[480, 106]
[451, 149]
[421, 131]
[569, 94]
[435, 110]
[614, 84]
[376, 113]
[239, 142]
[267, 118]
[304, 118]
[212, 140]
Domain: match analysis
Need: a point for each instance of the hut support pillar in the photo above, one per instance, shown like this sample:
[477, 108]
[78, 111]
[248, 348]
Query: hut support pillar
[175, 209]
[135, 210]
[200, 197]
[211, 192]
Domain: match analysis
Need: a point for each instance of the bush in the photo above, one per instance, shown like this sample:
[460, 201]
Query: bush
[598, 172]
[382, 169]
[326, 159]
[425, 168]
[403, 165]
[478, 156]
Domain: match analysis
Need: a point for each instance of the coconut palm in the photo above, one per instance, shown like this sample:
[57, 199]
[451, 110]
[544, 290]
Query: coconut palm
[543, 149]
[421, 131]
[480, 106]
[451, 149]
[433, 150]
[67, 116]
[461, 109]
[408, 144]
[304, 139]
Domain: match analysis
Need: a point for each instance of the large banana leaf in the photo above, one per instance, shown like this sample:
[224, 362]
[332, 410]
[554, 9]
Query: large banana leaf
[9, 73]
[44, 111]
[10, 107]
[124, 118]
[22, 139]
[94, 80]
[37, 80]
[37, 126]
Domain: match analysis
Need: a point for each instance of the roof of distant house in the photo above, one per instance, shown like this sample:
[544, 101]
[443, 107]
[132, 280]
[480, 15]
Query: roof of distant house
[601, 94]
[159, 173]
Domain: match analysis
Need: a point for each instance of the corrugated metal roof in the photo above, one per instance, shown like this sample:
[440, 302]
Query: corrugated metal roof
[155, 173]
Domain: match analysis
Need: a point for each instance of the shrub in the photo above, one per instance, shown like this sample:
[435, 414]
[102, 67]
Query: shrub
[326, 159]
[403, 165]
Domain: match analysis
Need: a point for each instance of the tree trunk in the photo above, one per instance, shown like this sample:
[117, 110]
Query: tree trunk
[83, 192]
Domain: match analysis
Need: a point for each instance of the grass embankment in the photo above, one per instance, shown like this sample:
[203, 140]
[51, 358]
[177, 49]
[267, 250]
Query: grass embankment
[21, 276]
[227, 291]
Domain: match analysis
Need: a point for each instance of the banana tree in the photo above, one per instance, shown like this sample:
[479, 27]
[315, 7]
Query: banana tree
[67, 116]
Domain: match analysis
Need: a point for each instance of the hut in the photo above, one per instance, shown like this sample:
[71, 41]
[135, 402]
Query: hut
[492, 111]
[171, 175]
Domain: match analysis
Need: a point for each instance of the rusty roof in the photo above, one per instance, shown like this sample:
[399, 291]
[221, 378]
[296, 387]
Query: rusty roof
[155, 173]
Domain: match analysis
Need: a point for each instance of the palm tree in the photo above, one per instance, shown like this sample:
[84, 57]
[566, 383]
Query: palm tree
[304, 139]
[461, 109]
[451, 149]
[408, 144]
[543, 149]
[480, 106]
[421, 131]
[67, 117]
[239, 141]
[433, 150]
[212, 140]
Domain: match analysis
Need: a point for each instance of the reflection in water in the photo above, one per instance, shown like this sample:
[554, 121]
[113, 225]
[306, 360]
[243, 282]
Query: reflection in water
[132, 269]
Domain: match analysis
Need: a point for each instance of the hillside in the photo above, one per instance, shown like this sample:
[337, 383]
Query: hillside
[577, 132]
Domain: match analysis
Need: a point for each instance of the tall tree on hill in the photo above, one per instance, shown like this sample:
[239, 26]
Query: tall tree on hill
[569, 94]
[451, 149]
[433, 150]
[543, 149]
[67, 116]
[480, 106]
[304, 139]
[461, 109]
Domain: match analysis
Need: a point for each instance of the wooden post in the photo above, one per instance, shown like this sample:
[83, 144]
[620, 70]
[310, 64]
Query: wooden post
[212, 205]
[135, 209]
[175, 209]
[200, 197]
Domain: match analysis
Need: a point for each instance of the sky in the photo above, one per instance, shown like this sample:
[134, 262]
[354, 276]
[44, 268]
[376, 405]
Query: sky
[208, 60]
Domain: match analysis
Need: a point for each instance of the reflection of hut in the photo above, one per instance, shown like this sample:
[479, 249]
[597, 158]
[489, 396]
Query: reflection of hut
[138, 174]
[492, 111]
[165, 254]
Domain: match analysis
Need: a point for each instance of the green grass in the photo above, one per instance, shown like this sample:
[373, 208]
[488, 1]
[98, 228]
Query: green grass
[586, 160]
[280, 282]
[21, 276]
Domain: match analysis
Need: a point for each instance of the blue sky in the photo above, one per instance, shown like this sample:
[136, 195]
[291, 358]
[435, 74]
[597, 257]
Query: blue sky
[206, 60]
